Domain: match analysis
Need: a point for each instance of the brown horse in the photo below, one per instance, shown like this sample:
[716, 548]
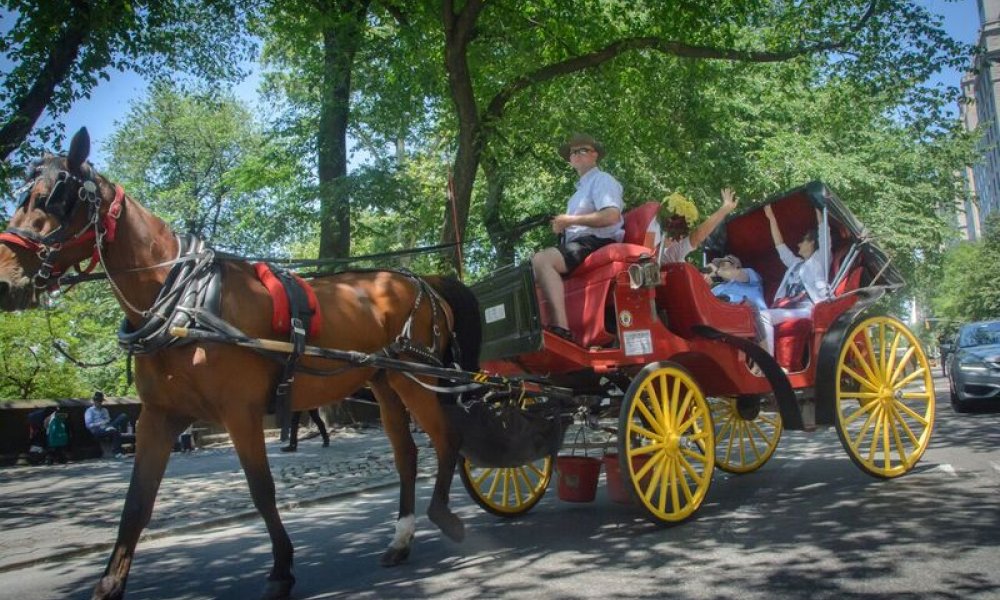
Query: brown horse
[69, 213]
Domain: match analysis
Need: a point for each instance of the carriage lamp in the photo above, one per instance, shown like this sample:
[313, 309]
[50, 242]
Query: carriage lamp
[644, 274]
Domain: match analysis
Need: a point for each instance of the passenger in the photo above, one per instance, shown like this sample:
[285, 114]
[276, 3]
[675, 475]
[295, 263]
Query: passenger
[735, 283]
[805, 281]
[680, 213]
[593, 219]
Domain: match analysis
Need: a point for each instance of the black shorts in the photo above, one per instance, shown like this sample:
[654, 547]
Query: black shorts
[574, 252]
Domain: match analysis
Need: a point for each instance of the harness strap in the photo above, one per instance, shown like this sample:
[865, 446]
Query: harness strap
[301, 317]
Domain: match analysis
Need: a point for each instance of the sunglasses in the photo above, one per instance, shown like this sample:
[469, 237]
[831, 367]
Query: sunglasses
[579, 151]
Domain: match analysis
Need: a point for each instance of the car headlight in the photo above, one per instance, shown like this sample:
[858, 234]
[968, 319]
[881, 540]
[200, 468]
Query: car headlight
[973, 365]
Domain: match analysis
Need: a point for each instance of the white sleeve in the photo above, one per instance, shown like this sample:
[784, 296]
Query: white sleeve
[607, 193]
[787, 256]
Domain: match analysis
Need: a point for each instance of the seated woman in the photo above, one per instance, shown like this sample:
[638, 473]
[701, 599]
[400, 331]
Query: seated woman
[679, 214]
[805, 281]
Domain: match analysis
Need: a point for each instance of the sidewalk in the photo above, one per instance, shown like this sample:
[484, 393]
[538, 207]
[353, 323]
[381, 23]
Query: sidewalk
[51, 512]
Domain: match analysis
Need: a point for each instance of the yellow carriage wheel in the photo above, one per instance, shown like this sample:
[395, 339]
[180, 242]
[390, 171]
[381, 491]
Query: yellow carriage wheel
[884, 397]
[507, 491]
[666, 442]
[747, 432]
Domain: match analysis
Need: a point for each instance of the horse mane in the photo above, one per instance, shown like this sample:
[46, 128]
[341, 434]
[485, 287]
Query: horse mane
[468, 330]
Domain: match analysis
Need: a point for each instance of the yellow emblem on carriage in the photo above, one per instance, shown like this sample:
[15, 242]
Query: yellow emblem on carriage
[625, 318]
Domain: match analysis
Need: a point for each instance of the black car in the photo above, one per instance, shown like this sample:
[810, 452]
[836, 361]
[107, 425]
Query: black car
[974, 365]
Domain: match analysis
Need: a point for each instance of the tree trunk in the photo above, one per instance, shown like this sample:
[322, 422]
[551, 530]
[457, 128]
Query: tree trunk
[29, 107]
[341, 38]
[500, 235]
[458, 29]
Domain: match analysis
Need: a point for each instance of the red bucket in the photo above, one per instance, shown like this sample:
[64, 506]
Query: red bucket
[617, 486]
[578, 478]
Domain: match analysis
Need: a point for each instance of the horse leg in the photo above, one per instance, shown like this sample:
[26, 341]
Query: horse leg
[425, 407]
[155, 435]
[247, 433]
[404, 451]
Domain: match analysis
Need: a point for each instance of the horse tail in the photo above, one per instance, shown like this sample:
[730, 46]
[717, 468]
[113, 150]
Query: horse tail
[468, 329]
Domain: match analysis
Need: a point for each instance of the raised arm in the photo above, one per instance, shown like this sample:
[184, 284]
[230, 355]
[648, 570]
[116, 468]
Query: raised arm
[775, 232]
[705, 229]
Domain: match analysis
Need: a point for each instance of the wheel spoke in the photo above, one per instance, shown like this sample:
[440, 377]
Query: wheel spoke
[649, 435]
[479, 480]
[515, 486]
[859, 395]
[897, 424]
[890, 366]
[875, 435]
[682, 409]
[908, 379]
[902, 364]
[886, 449]
[685, 487]
[864, 362]
[906, 426]
[859, 378]
[860, 411]
[856, 443]
[657, 421]
[729, 445]
[881, 350]
[672, 418]
[655, 465]
[915, 415]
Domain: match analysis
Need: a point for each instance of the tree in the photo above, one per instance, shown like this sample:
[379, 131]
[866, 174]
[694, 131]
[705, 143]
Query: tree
[83, 326]
[201, 162]
[61, 49]
[872, 38]
[968, 289]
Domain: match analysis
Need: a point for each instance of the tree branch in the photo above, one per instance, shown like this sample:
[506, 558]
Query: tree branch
[29, 107]
[674, 48]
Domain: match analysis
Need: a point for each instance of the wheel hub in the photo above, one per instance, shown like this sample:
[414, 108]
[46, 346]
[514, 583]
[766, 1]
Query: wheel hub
[748, 407]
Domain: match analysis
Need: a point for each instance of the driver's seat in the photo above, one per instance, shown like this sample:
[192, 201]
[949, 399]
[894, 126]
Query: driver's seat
[589, 286]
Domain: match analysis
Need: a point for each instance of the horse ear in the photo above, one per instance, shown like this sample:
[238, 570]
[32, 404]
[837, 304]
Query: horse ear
[79, 149]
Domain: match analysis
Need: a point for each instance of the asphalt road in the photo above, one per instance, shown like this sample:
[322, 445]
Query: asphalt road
[807, 525]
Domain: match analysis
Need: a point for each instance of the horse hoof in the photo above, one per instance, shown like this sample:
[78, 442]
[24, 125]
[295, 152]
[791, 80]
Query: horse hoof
[449, 523]
[278, 589]
[108, 588]
[394, 556]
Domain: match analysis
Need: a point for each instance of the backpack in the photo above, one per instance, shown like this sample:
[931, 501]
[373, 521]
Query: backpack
[57, 434]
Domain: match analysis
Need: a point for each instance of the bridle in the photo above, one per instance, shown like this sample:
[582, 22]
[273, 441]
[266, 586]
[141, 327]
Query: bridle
[48, 247]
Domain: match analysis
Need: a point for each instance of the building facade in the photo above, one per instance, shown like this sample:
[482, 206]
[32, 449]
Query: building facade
[981, 88]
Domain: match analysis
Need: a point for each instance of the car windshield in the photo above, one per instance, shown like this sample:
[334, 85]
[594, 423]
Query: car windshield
[980, 334]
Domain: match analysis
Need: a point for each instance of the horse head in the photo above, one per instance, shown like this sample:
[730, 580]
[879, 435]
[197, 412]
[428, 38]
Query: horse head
[55, 225]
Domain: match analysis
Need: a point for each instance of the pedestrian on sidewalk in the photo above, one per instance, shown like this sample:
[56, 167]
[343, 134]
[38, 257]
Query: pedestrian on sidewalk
[293, 432]
[57, 435]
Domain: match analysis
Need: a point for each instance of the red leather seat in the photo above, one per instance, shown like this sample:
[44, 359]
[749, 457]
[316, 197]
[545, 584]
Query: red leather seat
[588, 287]
[791, 339]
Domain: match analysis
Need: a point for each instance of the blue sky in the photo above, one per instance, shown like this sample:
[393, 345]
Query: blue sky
[110, 101]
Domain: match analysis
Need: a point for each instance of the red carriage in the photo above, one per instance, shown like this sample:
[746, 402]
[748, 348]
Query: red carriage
[689, 384]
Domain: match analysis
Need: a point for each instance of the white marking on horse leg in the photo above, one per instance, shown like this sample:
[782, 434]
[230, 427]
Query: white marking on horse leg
[405, 528]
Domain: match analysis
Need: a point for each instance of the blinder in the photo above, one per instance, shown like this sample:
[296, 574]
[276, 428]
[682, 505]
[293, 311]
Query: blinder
[62, 204]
